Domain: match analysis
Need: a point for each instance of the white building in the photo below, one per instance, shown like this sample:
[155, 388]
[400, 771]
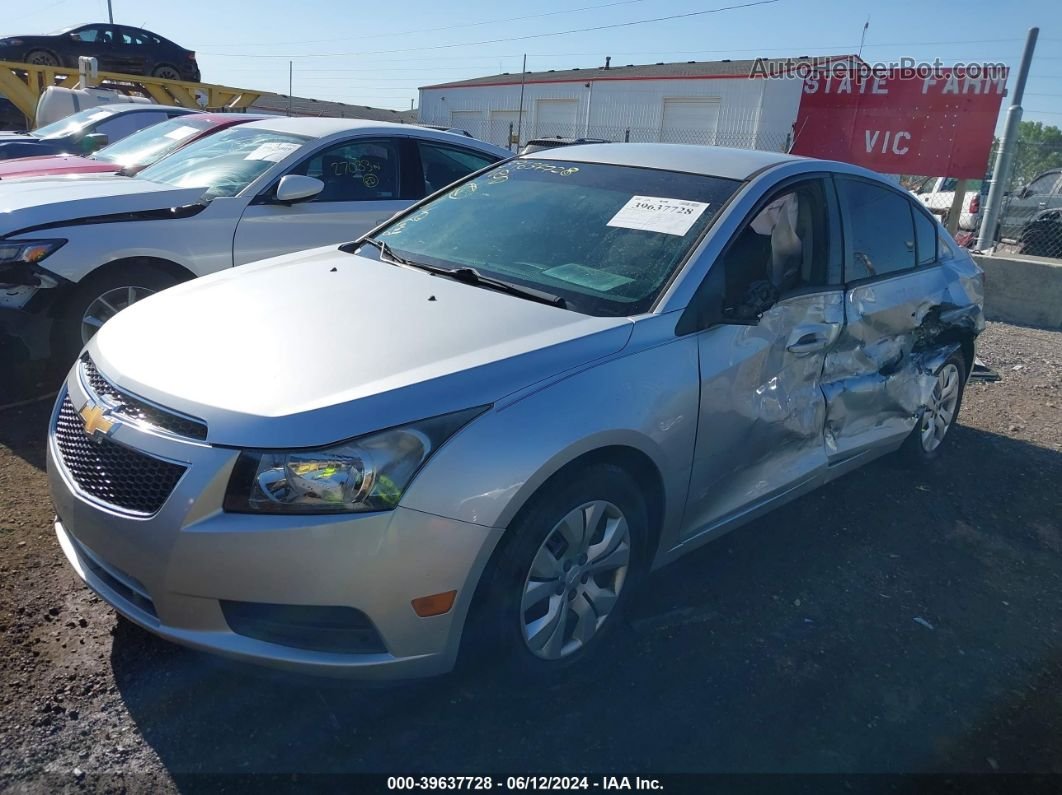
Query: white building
[706, 102]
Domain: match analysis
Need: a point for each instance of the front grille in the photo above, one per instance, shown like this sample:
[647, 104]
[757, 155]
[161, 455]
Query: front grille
[111, 472]
[139, 410]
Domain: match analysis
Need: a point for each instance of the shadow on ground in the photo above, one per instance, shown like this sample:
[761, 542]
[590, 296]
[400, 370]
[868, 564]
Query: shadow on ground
[790, 645]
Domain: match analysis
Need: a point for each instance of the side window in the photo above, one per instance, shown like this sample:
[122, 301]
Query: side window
[91, 35]
[119, 126]
[882, 230]
[443, 164]
[1042, 185]
[783, 247]
[356, 171]
[925, 237]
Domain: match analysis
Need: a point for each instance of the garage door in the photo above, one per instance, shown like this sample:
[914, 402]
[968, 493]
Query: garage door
[468, 120]
[555, 117]
[499, 126]
[690, 120]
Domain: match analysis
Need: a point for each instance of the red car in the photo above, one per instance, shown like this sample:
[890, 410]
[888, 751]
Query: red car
[130, 154]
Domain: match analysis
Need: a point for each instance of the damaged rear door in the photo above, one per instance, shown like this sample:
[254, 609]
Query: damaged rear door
[909, 303]
[770, 309]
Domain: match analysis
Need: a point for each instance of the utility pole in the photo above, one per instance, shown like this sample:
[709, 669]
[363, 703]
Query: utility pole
[291, 73]
[1007, 146]
[520, 113]
[110, 13]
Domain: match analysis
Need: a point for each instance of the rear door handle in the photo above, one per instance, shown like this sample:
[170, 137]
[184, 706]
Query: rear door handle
[812, 338]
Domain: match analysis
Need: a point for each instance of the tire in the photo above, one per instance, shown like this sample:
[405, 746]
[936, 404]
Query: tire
[524, 586]
[41, 58]
[165, 71]
[96, 297]
[925, 444]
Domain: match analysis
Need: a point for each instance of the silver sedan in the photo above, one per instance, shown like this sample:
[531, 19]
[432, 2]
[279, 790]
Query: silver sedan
[473, 431]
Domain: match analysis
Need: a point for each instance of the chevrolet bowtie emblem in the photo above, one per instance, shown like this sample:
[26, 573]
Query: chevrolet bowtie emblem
[95, 420]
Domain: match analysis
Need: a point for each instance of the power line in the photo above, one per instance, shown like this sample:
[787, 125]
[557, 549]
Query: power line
[513, 38]
[802, 48]
[447, 27]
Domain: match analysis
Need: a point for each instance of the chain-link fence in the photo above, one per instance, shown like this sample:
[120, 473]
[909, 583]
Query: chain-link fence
[512, 135]
[1030, 218]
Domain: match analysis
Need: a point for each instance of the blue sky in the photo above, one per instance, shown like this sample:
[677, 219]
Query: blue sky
[378, 53]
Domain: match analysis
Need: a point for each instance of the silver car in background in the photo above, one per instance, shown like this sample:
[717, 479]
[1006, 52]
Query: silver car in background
[474, 430]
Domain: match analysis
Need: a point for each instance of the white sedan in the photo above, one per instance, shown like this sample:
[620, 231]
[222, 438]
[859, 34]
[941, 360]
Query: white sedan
[76, 250]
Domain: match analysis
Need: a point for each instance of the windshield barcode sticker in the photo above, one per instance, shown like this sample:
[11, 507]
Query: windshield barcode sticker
[656, 214]
[274, 151]
[180, 133]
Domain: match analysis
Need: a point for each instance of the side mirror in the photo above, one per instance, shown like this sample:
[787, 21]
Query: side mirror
[94, 142]
[294, 188]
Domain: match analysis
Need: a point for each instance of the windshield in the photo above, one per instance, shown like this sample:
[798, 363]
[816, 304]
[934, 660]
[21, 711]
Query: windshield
[605, 238]
[224, 163]
[152, 143]
[72, 124]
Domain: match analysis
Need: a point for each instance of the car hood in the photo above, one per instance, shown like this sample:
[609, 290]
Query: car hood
[14, 145]
[311, 348]
[32, 202]
[53, 165]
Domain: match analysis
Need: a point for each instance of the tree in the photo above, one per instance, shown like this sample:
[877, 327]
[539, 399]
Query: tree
[1039, 149]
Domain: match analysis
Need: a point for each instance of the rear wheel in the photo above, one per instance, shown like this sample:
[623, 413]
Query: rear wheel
[41, 58]
[166, 72]
[567, 569]
[99, 298]
[940, 413]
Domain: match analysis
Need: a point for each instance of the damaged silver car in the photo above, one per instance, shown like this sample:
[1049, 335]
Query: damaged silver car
[478, 427]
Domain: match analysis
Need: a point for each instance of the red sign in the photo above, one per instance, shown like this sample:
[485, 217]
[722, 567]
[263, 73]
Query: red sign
[940, 124]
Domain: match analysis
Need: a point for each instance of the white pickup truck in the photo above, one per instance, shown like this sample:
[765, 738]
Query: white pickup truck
[937, 194]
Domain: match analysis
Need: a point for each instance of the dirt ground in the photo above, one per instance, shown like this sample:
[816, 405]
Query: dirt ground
[896, 621]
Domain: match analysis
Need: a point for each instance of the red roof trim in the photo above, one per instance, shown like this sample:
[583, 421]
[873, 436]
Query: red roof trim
[595, 79]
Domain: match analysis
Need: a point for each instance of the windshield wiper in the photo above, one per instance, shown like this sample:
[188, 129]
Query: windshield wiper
[467, 275]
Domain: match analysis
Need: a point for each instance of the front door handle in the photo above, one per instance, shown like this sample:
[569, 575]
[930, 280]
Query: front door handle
[812, 338]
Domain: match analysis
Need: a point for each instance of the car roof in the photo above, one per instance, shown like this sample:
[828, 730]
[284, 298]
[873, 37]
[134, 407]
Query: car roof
[321, 127]
[318, 127]
[124, 107]
[223, 118]
[715, 161]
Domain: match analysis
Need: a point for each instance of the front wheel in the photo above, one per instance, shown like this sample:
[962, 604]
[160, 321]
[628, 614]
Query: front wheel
[99, 298]
[940, 413]
[41, 58]
[567, 568]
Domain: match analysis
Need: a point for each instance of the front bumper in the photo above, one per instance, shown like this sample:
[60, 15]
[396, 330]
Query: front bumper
[171, 572]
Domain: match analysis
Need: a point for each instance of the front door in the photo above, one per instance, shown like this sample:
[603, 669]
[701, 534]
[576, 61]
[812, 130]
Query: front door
[363, 187]
[1043, 193]
[760, 429]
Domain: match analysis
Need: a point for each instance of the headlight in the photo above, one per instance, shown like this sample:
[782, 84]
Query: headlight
[369, 473]
[29, 252]
[10, 42]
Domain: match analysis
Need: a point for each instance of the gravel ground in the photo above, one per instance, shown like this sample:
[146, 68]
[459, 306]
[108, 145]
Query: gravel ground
[895, 621]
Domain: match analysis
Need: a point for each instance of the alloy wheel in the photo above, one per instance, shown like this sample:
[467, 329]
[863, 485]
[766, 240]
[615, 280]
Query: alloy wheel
[167, 73]
[106, 306]
[940, 413]
[575, 580]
